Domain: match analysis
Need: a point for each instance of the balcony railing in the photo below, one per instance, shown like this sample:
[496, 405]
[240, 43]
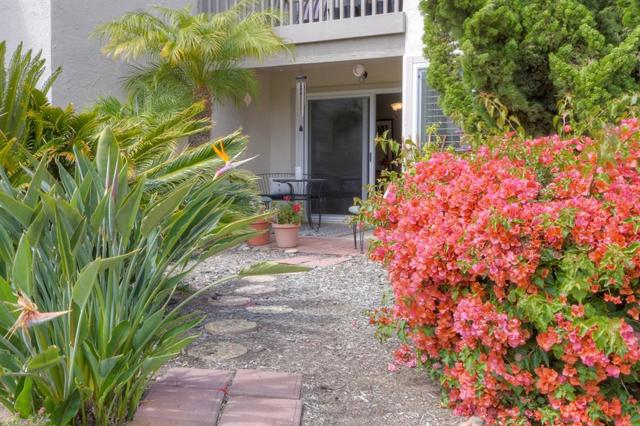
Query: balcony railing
[295, 12]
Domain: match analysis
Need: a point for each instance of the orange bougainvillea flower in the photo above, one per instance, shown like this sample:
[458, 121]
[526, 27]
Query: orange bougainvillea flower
[516, 267]
[547, 380]
[30, 316]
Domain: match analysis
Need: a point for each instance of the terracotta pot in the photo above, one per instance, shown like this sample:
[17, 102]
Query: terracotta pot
[286, 235]
[265, 237]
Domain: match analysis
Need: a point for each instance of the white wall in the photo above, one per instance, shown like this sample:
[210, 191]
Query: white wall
[27, 21]
[87, 74]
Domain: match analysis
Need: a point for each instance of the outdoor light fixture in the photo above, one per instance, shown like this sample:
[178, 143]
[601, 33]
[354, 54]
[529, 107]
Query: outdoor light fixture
[396, 106]
[360, 72]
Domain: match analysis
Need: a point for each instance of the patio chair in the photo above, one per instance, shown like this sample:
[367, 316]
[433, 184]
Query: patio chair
[313, 193]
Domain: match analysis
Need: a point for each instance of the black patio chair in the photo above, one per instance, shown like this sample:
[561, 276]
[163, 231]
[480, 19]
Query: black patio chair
[311, 192]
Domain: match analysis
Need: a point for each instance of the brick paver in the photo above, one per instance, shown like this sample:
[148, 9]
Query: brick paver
[194, 397]
[166, 405]
[268, 384]
[337, 246]
[197, 378]
[251, 411]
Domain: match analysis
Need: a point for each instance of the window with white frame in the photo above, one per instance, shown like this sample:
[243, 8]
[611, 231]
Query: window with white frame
[429, 114]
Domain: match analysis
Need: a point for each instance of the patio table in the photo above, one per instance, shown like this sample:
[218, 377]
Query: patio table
[308, 194]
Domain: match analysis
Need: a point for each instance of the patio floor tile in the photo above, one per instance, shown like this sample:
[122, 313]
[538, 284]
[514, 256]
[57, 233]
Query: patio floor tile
[267, 384]
[179, 405]
[251, 411]
[196, 378]
[335, 246]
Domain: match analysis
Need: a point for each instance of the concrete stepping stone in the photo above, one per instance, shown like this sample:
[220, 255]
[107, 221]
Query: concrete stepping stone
[218, 351]
[259, 278]
[267, 384]
[270, 309]
[229, 301]
[313, 261]
[196, 378]
[176, 405]
[251, 411]
[255, 289]
[296, 260]
[230, 326]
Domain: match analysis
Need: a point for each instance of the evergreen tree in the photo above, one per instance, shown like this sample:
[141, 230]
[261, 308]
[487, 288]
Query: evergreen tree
[530, 54]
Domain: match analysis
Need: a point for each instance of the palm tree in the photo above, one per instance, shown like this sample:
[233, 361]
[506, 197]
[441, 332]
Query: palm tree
[197, 57]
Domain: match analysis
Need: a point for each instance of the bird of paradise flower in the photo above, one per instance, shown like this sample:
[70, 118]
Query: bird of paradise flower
[229, 163]
[30, 315]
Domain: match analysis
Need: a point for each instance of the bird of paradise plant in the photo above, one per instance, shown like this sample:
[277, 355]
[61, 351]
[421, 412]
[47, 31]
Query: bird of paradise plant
[93, 272]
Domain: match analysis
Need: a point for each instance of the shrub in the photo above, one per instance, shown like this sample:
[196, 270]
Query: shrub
[87, 274]
[530, 55]
[515, 270]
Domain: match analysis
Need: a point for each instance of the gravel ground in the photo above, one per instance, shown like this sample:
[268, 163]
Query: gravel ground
[326, 338]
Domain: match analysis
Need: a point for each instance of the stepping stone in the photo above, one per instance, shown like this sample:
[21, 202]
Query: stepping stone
[218, 351]
[230, 301]
[259, 278]
[196, 378]
[472, 421]
[313, 261]
[267, 384]
[176, 405]
[270, 309]
[296, 260]
[230, 326]
[250, 411]
[256, 289]
[327, 261]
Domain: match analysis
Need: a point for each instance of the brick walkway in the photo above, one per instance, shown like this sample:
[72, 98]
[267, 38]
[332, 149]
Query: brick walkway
[197, 397]
[333, 246]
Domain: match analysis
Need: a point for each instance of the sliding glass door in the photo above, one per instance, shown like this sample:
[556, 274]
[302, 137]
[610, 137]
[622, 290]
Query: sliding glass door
[338, 148]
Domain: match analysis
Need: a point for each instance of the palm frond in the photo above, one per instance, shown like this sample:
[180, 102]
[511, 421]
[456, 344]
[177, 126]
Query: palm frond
[186, 52]
[199, 162]
[134, 35]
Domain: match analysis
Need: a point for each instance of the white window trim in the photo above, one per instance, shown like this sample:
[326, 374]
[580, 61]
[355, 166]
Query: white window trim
[416, 107]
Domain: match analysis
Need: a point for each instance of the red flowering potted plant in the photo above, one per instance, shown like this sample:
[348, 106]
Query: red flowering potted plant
[287, 219]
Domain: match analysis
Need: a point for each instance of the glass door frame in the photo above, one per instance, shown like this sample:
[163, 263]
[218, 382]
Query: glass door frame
[369, 149]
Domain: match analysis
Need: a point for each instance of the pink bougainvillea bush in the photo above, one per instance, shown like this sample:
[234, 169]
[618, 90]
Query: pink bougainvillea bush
[515, 270]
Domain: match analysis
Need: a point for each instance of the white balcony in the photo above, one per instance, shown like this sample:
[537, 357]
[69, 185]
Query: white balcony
[311, 21]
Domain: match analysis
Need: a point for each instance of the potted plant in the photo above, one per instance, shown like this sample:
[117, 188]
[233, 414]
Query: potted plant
[287, 219]
[263, 226]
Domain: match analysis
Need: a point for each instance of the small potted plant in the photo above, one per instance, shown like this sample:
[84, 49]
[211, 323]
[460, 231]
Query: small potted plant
[287, 219]
[261, 225]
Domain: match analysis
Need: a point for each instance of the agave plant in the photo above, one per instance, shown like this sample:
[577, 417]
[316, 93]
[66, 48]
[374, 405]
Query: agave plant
[87, 274]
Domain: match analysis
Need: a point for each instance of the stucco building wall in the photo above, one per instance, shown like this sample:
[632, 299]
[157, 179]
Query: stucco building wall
[87, 73]
[29, 22]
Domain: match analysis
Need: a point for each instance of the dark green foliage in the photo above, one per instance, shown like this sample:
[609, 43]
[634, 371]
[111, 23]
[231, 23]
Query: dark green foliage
[529, 55]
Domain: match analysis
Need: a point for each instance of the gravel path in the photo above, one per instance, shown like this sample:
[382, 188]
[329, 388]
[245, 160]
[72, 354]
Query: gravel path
[326, 338]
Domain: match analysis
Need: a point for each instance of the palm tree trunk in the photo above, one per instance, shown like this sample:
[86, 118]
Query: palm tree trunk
[202, 94]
